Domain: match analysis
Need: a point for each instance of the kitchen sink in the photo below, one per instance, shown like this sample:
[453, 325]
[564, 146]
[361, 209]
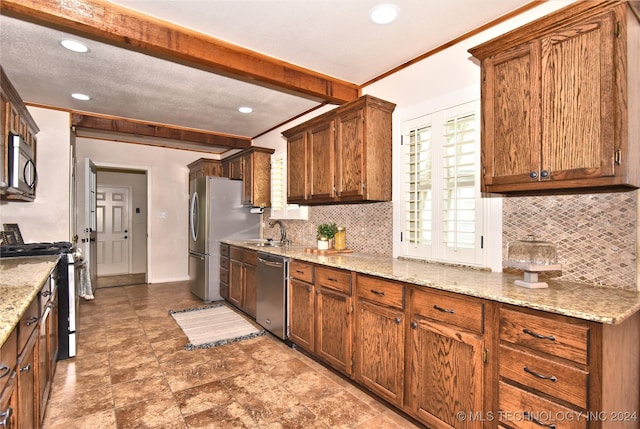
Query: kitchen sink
[264, 243]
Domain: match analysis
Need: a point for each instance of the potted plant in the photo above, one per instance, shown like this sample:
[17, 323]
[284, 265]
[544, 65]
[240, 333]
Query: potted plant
[326, 232]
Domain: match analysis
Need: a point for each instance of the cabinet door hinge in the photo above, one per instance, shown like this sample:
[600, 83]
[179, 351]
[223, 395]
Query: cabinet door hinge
[485, 356]
[617, 157]
[618, 31]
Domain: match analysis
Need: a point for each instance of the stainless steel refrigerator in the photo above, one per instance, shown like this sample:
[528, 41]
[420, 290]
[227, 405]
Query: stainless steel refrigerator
[215, 213]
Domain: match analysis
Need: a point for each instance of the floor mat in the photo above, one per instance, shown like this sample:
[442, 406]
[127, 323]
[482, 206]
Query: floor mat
[214, 325]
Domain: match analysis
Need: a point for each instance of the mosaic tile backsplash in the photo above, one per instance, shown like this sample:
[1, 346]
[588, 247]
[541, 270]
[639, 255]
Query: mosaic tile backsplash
[369, 226]
[595, 234]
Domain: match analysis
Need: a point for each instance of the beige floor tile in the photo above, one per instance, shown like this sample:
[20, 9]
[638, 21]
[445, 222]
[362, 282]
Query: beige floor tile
[132, 371]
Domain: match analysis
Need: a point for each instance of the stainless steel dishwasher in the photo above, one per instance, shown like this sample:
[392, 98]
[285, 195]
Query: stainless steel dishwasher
[271, 309]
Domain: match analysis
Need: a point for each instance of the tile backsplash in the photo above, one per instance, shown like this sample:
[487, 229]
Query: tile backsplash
[595, 234]
[369, 226]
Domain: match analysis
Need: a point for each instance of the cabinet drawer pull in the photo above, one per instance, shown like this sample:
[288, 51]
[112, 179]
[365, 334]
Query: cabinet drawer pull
[444, 310]
[46, 293]
[299, 271]
[31, 320]
[332, 279]
[4, 370]
[377, 292]
[538, 422]
[5, 417]
[26, 368]
[539, 336]
[552, 378]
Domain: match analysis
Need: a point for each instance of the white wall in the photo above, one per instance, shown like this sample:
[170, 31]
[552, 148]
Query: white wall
[168, 196]
[47, 218]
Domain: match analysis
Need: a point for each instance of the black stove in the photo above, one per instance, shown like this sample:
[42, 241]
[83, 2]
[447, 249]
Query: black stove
[35, 249]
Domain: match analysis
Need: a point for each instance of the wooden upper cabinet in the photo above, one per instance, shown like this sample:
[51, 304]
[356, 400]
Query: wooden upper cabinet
[556, 102]
[297, 177]
[343, 155]
[253, 167]
[205, 167]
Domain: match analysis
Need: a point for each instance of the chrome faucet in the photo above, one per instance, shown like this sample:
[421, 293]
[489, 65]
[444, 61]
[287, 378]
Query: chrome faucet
[283, 230]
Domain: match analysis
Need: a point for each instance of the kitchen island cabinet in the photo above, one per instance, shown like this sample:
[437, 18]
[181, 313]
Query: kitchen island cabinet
[343, 155]
[559, 102]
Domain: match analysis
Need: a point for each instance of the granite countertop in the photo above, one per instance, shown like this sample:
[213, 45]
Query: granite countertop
[588, 302]
[20, 281]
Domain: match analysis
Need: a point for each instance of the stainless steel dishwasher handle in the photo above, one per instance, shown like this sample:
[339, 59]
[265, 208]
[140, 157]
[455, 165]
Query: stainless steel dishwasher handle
[271, 264]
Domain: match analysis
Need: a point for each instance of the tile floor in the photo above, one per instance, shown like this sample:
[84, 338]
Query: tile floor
[132, 372]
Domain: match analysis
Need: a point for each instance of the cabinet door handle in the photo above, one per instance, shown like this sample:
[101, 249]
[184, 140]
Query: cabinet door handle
[444, 310]
[414, 325]
[539, 336]
[538, 422]
[46, 293]
[377, 292]
[533, 175]
[552, 378]
[398, 320]
[5, 418]
[309, 289]
[31, 320]
[26, 368]
[4, 370]
[544, 174]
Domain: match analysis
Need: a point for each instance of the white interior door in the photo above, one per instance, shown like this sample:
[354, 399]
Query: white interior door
[113, 225]
[89, 241]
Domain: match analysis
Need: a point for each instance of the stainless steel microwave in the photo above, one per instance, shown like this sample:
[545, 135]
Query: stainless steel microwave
[22, 167]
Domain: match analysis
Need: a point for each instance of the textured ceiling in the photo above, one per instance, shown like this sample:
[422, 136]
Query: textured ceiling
[333, 37]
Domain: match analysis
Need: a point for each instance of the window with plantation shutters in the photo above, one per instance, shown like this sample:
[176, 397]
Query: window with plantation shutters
[443, 205]
[279, 207]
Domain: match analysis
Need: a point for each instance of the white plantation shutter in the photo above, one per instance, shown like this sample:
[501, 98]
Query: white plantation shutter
[443, 208]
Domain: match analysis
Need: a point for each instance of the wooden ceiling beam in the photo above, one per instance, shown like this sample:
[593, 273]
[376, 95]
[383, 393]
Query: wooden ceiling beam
[114, 24]
[121, 125]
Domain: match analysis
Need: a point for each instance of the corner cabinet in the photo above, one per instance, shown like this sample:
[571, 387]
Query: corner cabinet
[253, 167]
[559, 102]
[342, 156]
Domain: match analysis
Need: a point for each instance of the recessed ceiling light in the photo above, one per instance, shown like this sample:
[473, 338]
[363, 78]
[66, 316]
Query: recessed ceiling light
[245, 109]
[384, 13]
[79, 96]
[74, 45]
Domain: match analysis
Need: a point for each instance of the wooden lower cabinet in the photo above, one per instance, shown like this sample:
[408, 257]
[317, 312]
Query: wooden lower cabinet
[9, 402]
[242, 279]
[379, 337]
[333, 328]
[27, 400]
[302, 315]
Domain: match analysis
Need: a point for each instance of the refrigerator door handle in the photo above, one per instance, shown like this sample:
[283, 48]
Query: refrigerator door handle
[193, 216]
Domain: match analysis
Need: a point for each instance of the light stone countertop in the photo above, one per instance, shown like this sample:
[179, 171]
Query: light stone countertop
[20, 281]
[588, 302]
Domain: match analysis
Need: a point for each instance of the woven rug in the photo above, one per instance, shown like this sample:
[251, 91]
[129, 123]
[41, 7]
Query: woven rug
[214, 325]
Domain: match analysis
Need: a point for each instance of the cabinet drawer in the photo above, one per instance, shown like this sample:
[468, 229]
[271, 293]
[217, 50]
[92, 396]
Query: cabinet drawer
[334, 279]
[27, 324]
[224, 262]
[224, 249]
[561, 381]
[301, 271]
[224, 276]
[519, 408]
[8, 358]
[449, 308]
[250, 257]
[236, 253]
[380, 291]
[568, 340]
